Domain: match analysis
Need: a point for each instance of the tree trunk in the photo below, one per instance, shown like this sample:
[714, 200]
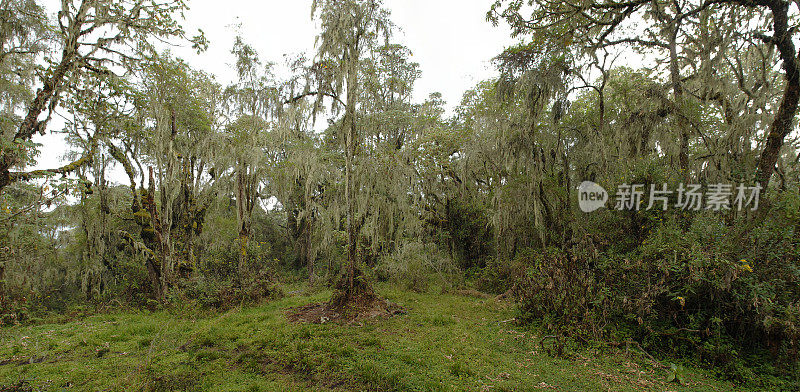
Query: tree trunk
[677, 89]
[782, 124]
[780, 128]
[89, 287]
[154, 275]
[350, 151]
[244, 236]
[2, 284]
[244, 229]
[161, 239]
[5, 176]
[307, 250]
[353, 289]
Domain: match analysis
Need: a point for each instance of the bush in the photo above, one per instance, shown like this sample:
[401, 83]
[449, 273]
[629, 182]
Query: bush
[721, 289]
[561, 291]
[221, 283]
[501, 275]
[14, 310]
[417, 266]
[208, 293]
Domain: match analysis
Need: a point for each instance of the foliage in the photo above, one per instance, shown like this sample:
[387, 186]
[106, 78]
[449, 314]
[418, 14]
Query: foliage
[470, 234]
[419, 267]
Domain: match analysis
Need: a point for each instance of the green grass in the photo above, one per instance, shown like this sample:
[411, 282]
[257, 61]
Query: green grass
[443, 343]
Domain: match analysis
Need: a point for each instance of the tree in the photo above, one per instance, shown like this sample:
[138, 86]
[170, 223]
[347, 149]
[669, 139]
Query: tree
[349, 29]
[687, 35]
[97, 106]
[255, 102]
[95, 38]
[23, 33]
[386, 173]
[301, 179]
[517, 159]
[175, 132]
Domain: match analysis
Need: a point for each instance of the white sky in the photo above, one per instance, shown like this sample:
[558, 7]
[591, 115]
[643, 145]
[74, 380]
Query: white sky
[450, 39]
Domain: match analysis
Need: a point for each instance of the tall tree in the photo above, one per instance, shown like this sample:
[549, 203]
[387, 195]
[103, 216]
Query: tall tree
[94, 37]
[390, 124]
[350, 28]
[176, 135]
[300, 178]
[254, 101]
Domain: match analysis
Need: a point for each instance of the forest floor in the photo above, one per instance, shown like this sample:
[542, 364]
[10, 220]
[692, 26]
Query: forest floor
[442, 343]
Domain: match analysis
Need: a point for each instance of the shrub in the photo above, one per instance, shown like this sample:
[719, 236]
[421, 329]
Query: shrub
[722, 289]
[418, 266]
[501, 275]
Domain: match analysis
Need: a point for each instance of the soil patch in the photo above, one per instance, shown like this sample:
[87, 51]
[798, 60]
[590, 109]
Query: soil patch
[320, 313]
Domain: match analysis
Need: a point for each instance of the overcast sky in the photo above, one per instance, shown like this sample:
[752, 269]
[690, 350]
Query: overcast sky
[450, 39]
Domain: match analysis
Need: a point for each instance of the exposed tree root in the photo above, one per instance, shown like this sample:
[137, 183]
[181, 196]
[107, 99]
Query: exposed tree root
[347, 297]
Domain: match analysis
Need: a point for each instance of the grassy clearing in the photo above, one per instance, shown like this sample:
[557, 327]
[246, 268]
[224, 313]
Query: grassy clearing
[444, 343]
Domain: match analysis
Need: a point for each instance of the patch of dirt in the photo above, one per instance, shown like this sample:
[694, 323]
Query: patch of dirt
[320, 313]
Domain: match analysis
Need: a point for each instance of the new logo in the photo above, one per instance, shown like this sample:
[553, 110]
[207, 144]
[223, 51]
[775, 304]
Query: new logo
[591, 196]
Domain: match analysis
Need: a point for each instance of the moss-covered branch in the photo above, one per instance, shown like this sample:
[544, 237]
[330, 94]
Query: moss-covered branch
[86, 159]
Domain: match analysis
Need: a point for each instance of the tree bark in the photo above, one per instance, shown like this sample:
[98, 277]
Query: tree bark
[159, 272]
[779, 129]
[244, 226]
[677, 90]
[306, 250]
[350, 128]
[781, 125]
[2, 284]
[5, 177]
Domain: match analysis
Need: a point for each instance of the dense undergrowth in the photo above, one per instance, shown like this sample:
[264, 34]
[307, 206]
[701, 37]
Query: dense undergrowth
[719, 290]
